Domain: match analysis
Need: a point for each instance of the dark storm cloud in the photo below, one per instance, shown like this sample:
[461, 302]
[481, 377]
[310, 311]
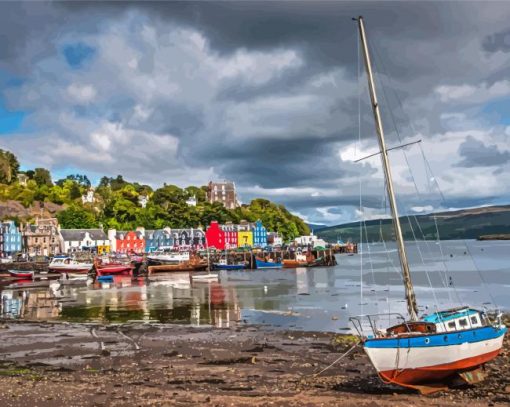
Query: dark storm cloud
[499, 41]
[475, 153]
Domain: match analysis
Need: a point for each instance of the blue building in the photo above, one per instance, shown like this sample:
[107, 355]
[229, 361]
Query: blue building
[10, 240]
[259, 234]
[156, 239]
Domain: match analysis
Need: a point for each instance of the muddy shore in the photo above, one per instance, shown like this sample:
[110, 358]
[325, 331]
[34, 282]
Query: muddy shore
[48, 364]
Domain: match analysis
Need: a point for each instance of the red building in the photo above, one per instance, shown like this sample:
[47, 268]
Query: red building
[230, 235]
[130, 242]
[214, 236]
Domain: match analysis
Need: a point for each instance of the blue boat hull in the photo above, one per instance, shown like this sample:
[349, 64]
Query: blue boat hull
[218, 266]
[267, 265]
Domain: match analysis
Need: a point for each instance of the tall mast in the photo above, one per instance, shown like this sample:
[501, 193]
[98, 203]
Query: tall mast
[412, 308]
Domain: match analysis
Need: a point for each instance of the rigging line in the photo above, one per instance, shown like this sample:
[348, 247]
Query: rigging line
[481, 276]
[397, 269]
[379, 59]
[430, 175]
[443, 261]
[369, 251]
[424, 265]
[434, 180]
[389, 262]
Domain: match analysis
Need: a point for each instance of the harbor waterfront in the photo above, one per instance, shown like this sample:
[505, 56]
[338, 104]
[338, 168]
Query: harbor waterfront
[312, 299]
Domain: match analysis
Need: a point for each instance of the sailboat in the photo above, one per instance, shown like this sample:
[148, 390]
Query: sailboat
[429, 352]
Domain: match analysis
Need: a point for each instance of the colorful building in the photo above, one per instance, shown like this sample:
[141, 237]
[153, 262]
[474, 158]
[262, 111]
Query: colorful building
[198, 238]
[43, 238]
[188, 238]
[157, 239]
[230, 235]
[214, 236]
[10, 239]
[245, 238]
[129, 242]
[259, 234]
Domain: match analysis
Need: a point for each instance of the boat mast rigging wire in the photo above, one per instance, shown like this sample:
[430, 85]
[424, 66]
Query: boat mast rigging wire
[412, 307]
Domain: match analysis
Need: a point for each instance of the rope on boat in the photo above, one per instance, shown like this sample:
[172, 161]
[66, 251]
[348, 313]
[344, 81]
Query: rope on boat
[337, 360]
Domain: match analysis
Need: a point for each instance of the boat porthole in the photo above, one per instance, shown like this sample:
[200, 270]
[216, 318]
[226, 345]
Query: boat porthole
[427, 340]
[445, 338]
[460, 336]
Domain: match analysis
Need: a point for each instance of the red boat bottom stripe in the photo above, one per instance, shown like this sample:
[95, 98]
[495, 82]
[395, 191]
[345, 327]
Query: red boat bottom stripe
[435, 373]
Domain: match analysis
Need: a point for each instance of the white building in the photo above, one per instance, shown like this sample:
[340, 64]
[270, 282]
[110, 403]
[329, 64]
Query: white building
[89, 196]
[192, 201]
[310, 240]
[84, 239]
[274, 239]
[142, 200]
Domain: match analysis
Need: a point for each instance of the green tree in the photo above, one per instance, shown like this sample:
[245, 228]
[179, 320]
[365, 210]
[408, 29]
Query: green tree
[75, 191]
[117, 183]
[9, 167]
[42, 177]
[76, 217]
[169, 194]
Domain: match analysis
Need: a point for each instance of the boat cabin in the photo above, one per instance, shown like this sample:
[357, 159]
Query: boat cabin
[456, 319]
[59, 260]
[412, 328]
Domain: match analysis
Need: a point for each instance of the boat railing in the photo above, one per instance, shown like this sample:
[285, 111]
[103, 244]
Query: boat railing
[370, 322]
[492, 317]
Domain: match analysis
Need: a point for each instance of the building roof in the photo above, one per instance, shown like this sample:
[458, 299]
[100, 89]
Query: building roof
[121, 234]
[79, 234]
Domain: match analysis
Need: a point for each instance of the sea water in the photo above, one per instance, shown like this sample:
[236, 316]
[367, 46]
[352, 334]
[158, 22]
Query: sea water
[445, 275]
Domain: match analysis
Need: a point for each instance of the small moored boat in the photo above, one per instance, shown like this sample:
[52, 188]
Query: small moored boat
[103, 268]
[64, 264]
[300, 260]
[21, 274]
[267, 264]
[223, 265]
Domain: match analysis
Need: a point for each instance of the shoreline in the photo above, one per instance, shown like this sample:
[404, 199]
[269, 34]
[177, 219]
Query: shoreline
[59, 363]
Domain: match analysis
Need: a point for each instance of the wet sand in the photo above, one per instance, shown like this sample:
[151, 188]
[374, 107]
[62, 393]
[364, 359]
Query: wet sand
[48, 364]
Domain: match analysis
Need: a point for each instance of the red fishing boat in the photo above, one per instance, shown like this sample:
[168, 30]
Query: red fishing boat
[21, 274]
[112, 268]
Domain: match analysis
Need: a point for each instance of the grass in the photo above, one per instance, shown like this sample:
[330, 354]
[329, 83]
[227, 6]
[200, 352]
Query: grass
[15, 371]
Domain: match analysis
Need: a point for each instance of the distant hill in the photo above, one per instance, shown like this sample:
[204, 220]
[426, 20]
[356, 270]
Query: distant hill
[460, 224]
[316, 226]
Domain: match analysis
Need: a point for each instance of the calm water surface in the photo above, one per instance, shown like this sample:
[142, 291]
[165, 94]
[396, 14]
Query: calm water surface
[468, 272]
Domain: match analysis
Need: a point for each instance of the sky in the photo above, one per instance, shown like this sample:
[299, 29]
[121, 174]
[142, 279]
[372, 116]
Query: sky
[269, 95]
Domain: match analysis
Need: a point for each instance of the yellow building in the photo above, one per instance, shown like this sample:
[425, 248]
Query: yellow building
[103, 249]
[245, 238]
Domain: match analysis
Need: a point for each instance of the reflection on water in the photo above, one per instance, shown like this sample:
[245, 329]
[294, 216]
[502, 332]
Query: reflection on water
[303, 298]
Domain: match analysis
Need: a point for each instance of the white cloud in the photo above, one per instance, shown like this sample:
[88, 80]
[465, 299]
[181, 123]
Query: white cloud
[421, 209]
[471, 94]
[82, 93]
